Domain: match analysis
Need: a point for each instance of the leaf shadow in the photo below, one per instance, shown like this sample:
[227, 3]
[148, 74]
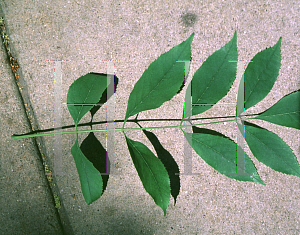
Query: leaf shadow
[96, 154]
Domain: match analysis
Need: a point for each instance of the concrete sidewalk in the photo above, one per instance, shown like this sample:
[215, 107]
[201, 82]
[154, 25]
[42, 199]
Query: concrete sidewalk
[84, 35]
[27, 205]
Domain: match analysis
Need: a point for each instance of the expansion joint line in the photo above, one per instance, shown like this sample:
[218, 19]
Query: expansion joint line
[13, 61]
[25, 100]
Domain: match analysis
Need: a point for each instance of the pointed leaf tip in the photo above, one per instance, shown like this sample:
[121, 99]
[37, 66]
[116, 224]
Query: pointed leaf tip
[235, 34]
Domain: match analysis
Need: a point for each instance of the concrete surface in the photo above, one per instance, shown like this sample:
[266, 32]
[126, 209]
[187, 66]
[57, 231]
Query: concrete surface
[27, 205]
[83, 34]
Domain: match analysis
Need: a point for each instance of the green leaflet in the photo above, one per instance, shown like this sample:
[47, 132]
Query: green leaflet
[164, 78]
[161, 81]
[261, 74]
[286, 112]
[169, 163]
[152, 173]
[271, 150]
[114, 80]
[219, 152]
[87, 89]
[90, 178]
[93, 150]
[212, 81]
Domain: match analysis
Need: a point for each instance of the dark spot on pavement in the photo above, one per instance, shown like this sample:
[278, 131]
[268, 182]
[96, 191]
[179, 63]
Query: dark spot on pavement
[188, 19]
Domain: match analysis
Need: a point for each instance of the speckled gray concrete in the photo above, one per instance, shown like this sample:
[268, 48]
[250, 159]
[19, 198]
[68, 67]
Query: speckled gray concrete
[26, 202]
[136, 33]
